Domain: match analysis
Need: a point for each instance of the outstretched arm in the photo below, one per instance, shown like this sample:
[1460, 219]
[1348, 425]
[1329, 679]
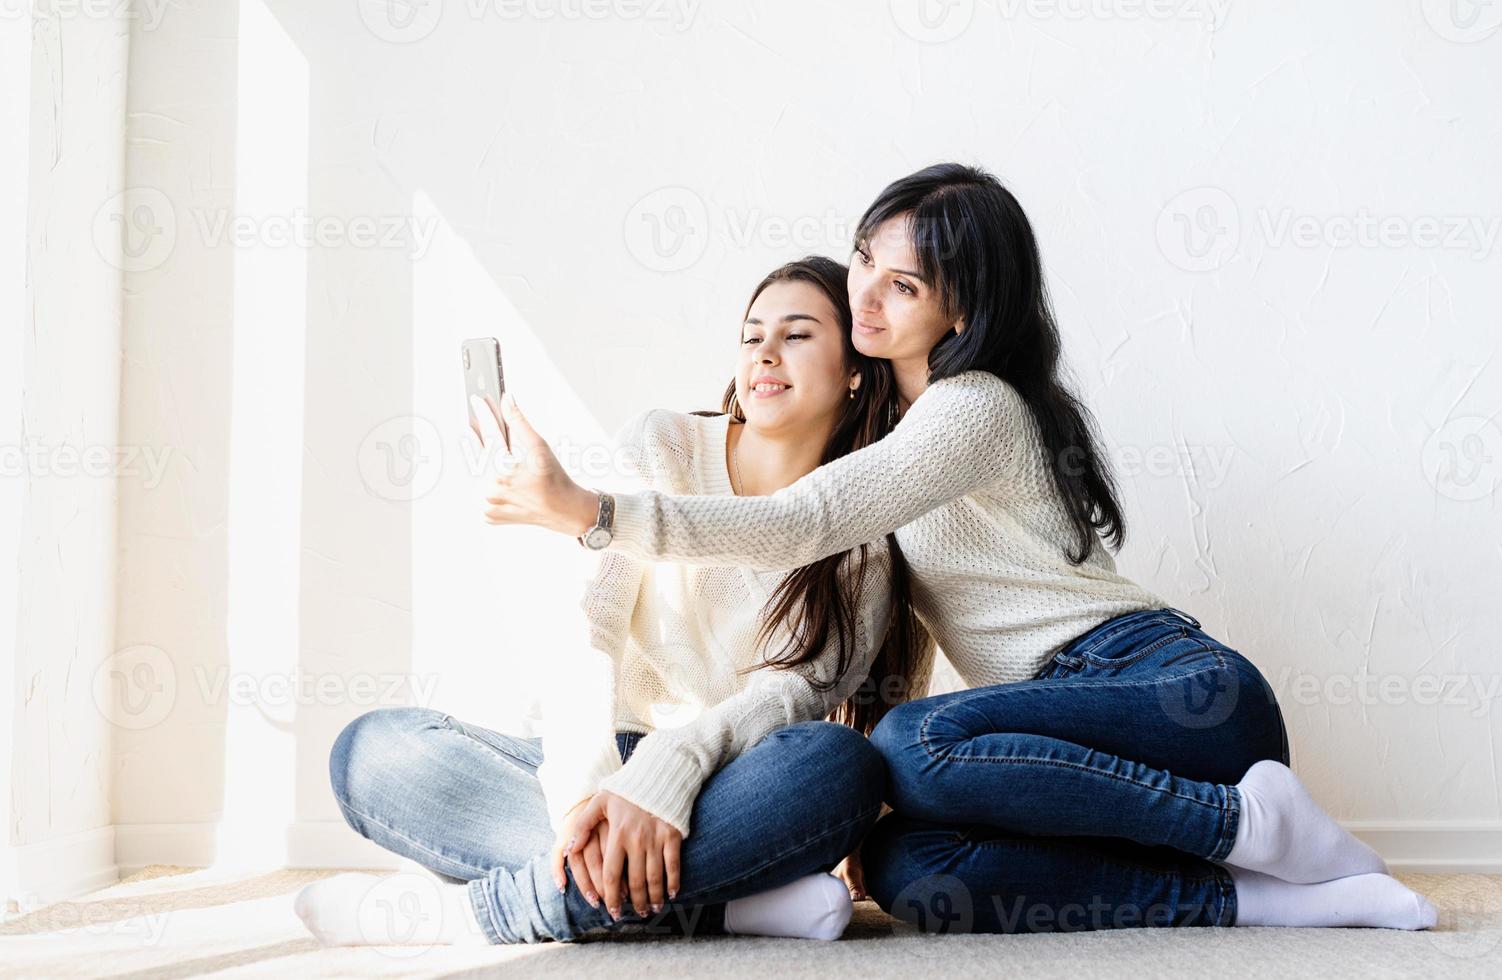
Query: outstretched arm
[961, 435]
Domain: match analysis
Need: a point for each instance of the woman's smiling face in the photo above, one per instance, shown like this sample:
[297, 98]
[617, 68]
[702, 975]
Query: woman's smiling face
[791, 370]
[897, 313]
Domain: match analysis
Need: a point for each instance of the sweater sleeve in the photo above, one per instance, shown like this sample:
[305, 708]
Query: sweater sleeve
[961, 435]
[579, 698]
[670, 765]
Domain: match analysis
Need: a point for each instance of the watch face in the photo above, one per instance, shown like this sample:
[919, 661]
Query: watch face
[597, 538]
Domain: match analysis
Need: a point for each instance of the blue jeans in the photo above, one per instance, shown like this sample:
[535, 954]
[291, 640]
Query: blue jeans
[1098, 795]
[466, 802]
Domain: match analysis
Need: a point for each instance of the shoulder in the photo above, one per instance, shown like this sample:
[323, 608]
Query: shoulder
[980, 389]
[662, 445]
[658, 427]
[976, 403]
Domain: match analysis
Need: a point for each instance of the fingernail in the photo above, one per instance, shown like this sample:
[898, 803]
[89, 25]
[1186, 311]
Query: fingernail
[656, 907]
[615, 913]
[593, 899]
[673, 893]
[570, 845]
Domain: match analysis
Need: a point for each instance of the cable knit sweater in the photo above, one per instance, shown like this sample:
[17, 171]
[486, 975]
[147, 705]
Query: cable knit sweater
[665, 644]
[963, 480]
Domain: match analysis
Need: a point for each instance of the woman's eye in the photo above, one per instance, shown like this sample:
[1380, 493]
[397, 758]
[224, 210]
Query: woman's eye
[903, 287]
[751, 340]
[798, 336]
[861, 254]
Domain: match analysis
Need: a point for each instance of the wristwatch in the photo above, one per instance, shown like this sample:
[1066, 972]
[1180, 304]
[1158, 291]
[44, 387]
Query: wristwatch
[598, 537]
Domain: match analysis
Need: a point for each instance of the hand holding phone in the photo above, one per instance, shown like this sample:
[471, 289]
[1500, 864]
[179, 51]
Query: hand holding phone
[483, 379]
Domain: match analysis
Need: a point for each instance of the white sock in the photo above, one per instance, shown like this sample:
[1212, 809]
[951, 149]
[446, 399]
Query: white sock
[396, 910]
[1284, 833]
[813, 907]
[1375, 900]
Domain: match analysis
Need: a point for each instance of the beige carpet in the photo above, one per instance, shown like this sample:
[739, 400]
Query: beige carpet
[180, 922]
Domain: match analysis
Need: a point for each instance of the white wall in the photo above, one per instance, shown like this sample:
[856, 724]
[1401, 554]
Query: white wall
[61, 156]
[1302, 408]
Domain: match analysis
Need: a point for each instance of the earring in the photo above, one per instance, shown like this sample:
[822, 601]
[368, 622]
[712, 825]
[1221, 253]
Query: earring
[852, 394]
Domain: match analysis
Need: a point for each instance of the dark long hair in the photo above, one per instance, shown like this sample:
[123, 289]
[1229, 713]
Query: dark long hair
[975, 244]
[816, 604]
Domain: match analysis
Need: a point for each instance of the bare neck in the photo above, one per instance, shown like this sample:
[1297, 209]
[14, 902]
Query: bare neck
[912, 381]
[763, 462]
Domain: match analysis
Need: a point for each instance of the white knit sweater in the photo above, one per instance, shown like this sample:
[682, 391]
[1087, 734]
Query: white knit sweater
[665, 643]
[963, 480]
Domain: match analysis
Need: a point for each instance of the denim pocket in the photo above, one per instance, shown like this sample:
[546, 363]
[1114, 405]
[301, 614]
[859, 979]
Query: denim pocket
[1133, 649]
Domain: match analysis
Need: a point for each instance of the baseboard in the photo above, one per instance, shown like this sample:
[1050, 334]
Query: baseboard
[1444, 847]
[190, 845]
[309, 844]
[58, 869]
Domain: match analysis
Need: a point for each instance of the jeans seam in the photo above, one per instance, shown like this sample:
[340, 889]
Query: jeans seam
[1229, 821]
[1135, 655]
[1229, 908]
[1212, 873]
[1075, 765]
[923, 739]
[996, 689]
[487, 922]
[468, 868]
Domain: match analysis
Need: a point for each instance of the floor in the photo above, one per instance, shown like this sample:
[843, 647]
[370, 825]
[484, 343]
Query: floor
[182, 922]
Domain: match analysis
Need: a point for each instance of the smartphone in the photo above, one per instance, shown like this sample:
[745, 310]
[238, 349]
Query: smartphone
[484, 379]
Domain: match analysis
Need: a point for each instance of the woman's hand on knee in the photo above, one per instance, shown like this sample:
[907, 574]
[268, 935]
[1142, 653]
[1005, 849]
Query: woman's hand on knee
[576, 835]
[642, 848]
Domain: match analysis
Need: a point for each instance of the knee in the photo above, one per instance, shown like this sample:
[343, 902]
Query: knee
[840, 760]
[368, 747]
[900, 731]
[899, 739]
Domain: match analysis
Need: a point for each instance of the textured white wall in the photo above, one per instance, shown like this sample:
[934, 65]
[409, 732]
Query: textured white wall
[1271, 231]
[63, 81]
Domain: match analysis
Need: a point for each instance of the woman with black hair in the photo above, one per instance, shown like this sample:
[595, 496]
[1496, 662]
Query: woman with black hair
[1112, 764]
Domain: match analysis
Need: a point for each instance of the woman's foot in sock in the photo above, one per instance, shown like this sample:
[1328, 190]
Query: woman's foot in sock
[1282, 832]
[813, 907]
[1374, 900]
[396, 910]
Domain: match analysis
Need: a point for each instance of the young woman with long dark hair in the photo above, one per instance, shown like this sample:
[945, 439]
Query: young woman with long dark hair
[1112, 764]
[731, 818]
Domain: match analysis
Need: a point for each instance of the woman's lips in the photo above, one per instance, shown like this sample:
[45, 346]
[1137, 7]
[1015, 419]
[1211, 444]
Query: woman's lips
[867, 328]
[769, 394]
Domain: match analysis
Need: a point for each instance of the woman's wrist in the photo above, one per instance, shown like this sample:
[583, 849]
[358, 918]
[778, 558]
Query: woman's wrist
[583, 512]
